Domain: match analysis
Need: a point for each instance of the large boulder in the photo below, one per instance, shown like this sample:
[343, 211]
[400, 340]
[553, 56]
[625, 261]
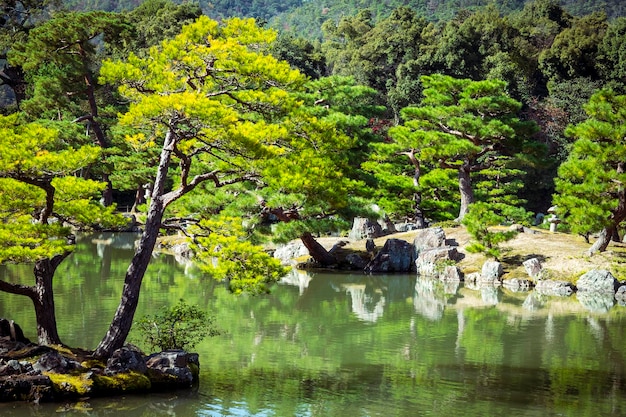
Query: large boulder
[433, 237]
[288, 252]
[431, 261]
[363, 228]
[491, 272]
[598, 280]
[54, 362]
[396, 256]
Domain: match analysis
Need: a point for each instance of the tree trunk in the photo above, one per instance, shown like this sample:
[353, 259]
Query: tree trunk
[42, 296]
[465, 188]
[317, 251]
[602, 242]
[13, 76]
[417, 195]
[618, 216]
[43, 300]
[123, 319]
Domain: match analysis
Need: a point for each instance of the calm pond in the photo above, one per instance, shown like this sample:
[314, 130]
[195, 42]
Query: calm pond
[347, 345]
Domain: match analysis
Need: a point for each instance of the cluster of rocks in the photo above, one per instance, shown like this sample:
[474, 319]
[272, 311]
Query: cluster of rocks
[30, 372]
[432, 255]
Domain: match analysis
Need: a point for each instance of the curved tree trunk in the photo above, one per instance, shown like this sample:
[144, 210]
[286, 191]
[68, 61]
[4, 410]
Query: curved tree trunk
[42, 296]
[618, 216]
[465, 188]
[123, 319]
[602, 242]
[317, 251]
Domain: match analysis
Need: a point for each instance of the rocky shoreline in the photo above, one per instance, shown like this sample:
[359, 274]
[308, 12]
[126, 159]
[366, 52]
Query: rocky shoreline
[431, 254]
[30, 372]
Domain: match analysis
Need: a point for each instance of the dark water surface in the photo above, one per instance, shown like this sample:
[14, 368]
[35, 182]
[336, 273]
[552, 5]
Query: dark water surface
[347, 345]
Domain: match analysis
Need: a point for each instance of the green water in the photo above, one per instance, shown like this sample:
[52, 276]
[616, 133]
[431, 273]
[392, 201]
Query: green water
[347, 345]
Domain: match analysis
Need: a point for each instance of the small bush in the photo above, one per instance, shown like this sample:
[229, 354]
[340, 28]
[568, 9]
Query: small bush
[478, 222]
[179, 327]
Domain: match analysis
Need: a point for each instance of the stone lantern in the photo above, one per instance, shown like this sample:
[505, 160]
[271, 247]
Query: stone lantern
[553, 219]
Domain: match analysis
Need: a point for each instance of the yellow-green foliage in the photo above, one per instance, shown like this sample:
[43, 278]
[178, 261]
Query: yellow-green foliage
[226, 253]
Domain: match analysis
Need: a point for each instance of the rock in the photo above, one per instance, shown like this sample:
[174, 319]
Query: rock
[517, 285]
[173, 368]
[598, 280]
[430, 238]
[396, 256]
[451, 273]
[14, 367]
[36, 388]
[363, 228]
[429, 260]
[340, 244]
[405, 227]
[126, 359]
[533, 268]
[472, 278]
[491, 272]
[288, 252]
[54, 362]
[554, 288]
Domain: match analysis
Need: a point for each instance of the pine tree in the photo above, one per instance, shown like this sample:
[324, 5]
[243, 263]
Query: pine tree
[590, 184]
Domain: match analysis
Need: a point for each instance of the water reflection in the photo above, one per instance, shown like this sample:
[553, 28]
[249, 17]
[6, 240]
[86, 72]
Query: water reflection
[343, 344]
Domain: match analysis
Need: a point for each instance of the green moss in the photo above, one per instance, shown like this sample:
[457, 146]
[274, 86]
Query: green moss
[126, 381]
[79, 384]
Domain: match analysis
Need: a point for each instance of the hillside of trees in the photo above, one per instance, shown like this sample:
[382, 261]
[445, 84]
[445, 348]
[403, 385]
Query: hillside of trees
[234, 134]
[305, 18]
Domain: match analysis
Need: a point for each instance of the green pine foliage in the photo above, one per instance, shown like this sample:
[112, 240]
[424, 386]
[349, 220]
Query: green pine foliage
[590, 184]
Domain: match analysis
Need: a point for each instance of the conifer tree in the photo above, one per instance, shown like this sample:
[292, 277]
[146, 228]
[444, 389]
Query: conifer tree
[41, 200]
[590, 184]
[221, 113]
[466, 126]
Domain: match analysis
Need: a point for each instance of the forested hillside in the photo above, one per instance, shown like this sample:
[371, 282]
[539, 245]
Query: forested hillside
[305, 18]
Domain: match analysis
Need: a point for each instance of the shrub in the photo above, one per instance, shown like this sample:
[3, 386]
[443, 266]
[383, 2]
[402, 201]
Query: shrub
[478, 222]
[179, 327]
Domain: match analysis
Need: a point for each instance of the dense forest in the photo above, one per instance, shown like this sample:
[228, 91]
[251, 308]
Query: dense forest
[233, 133]
[305, 18]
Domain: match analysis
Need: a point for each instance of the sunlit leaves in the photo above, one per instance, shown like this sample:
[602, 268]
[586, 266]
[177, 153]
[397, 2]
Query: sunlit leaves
[226, 253]
[39, 174]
